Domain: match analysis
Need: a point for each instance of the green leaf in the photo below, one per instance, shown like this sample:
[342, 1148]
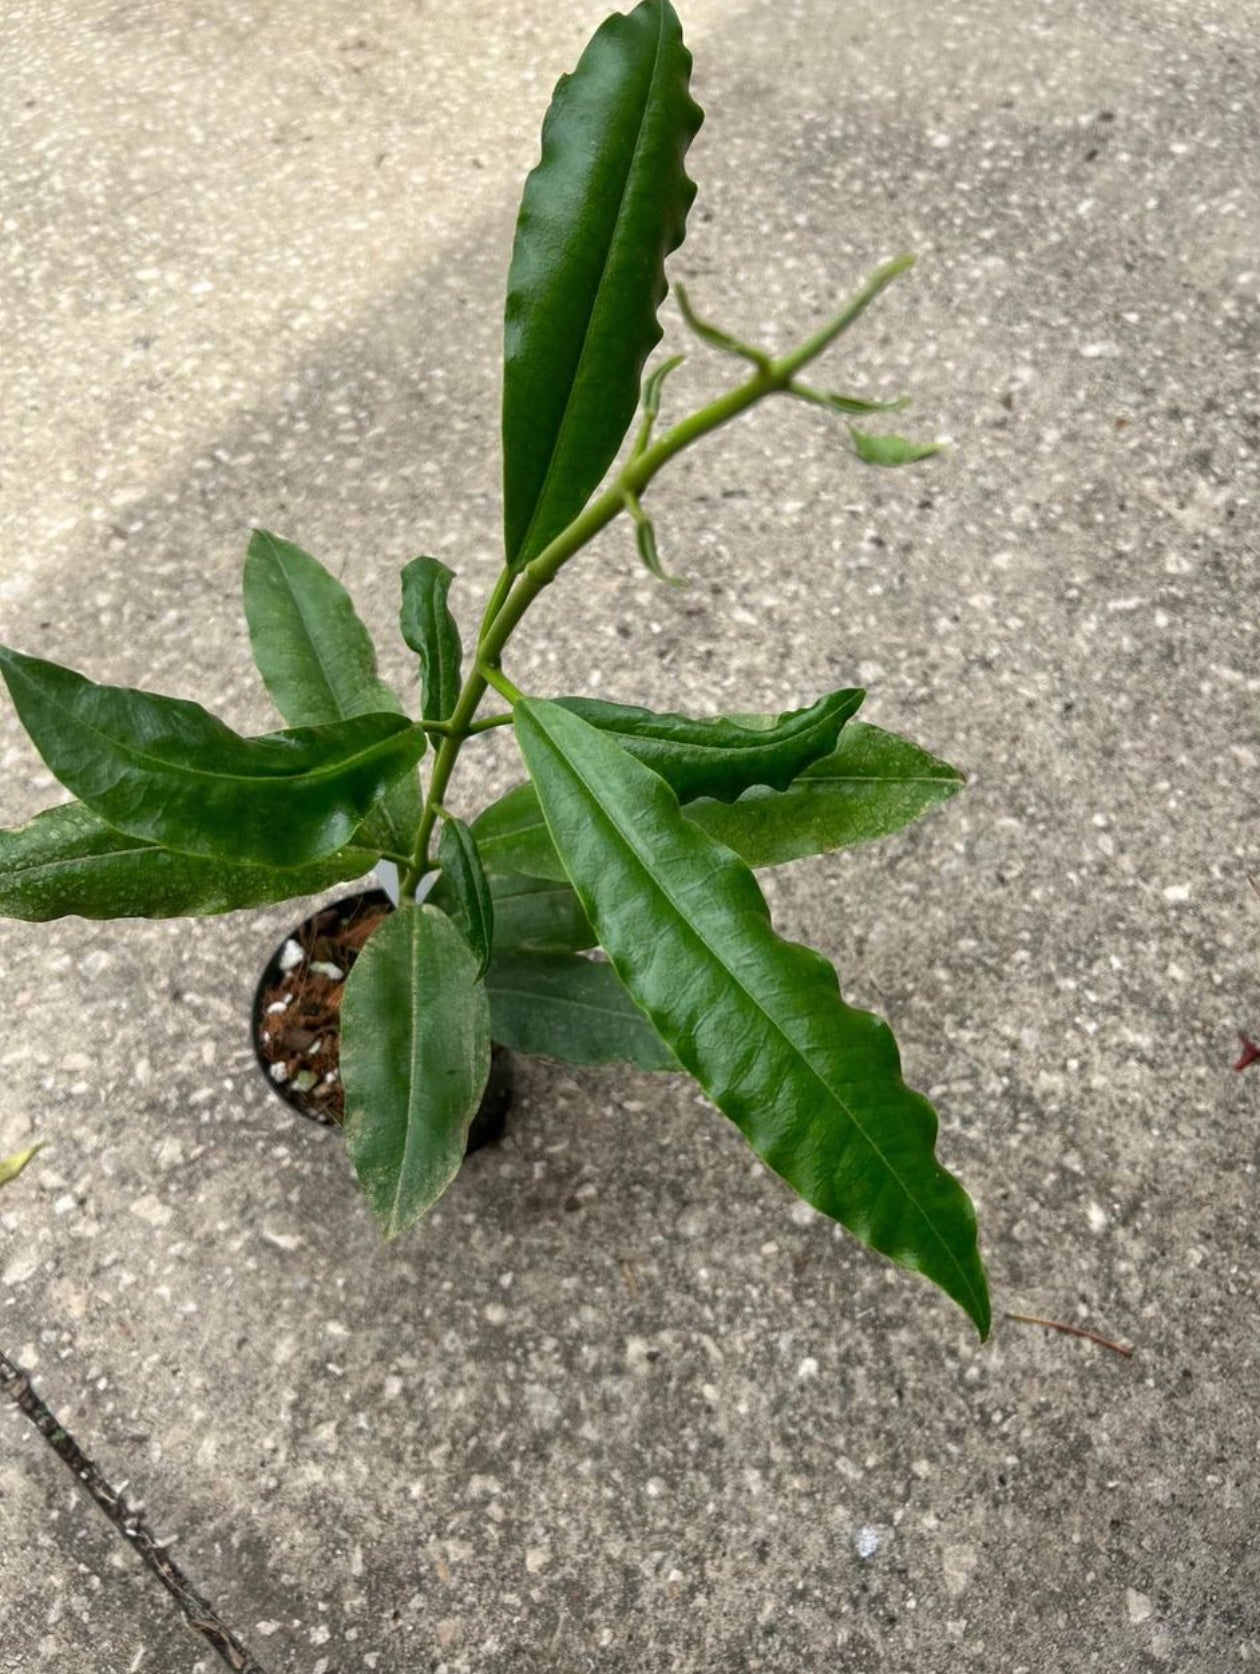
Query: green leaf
[890, 450]
[538, 915]
[814, 1084]
[653, 389]
[415, 1056]
[852, 404]
[11, 1167]
[319, 664]
[531, 915]
[432, 633]
[474, 908]
[872, 784]
[604, 207]
[714, 336]
[513, 837]
[564, 1006]
[315, 656]
[67, 860]
[645, 542]
[723, 756]
[165, 770]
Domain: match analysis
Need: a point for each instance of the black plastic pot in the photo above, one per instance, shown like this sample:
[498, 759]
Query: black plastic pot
[328, 924]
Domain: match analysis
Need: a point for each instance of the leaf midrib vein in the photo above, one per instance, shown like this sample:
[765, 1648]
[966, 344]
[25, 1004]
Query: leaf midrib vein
[163, 768]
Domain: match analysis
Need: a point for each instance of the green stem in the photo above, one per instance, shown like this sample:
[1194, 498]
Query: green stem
[496, 678]
[633, 479]
[768, 379]
[443, 766]
[514, 593]
[813, 346]
[402, 861]
[502, 587]
[714, 336]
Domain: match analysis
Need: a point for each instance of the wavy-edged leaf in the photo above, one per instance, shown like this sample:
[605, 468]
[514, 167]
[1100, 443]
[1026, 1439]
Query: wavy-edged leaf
[564, 1006]
[67, 860]
[873, 784]
[814, 1084]
[318, 662]
[11, 1167]
[855, 405]
[606, 204]
[166, 770]
[721, 757]
[890, 451]
[415, 1056]
[474, 906]
[431, 631]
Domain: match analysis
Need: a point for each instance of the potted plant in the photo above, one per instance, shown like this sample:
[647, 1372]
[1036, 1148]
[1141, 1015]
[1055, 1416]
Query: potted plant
[634, 833]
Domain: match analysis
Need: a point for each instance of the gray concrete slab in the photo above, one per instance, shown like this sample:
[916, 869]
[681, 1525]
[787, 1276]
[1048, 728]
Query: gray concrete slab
[623, 1404]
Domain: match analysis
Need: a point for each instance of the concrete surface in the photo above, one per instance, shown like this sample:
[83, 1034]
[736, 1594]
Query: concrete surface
[623, 1405]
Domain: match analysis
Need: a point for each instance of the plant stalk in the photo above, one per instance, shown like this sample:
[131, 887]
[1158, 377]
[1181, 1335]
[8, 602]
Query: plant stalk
[513, 594]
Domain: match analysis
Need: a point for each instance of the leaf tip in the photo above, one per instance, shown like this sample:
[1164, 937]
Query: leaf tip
[11, 1167]
[891, 451]
[972, 1291]
[979, 1310]
[262, 542]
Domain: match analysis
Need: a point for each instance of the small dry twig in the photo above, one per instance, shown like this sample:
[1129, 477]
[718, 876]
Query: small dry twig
[17, 1385]
[1072, 1331]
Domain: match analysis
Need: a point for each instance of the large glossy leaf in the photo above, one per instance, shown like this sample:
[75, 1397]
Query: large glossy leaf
[67, 860]
[871, 785]
[318, 662]
[433, 634]
[814, 1084]
[604, 207]
[564, 1006]
[166, 770]
[415, 1056]
[474, 906]
[723, 756]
